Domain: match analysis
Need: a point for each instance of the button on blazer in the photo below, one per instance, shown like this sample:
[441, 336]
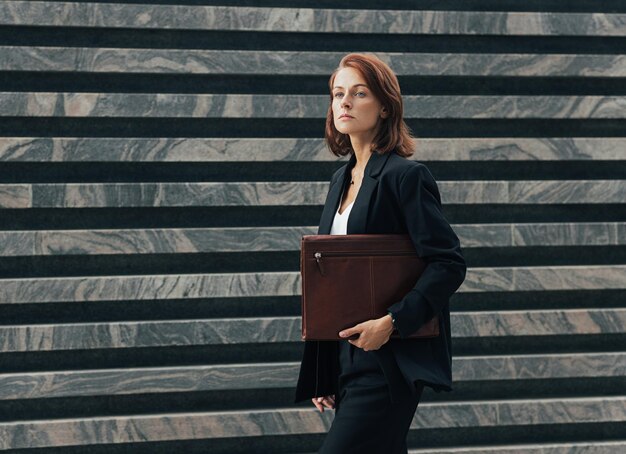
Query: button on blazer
[397, 195]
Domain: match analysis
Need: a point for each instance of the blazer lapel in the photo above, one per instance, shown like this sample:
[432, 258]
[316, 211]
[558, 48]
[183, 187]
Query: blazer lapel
[357, 220]
[333, 199]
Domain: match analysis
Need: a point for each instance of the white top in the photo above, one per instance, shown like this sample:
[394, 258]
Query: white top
[340, 222]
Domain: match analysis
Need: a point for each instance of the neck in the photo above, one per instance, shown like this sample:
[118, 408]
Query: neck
[362, 156]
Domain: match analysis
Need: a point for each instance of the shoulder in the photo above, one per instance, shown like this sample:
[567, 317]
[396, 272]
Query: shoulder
[400, 168]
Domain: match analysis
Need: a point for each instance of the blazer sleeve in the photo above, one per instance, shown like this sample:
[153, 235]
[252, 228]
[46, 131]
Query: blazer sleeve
[436, 243]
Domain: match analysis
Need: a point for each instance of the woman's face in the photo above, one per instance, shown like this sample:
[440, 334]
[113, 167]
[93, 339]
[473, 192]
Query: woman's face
[352, 96]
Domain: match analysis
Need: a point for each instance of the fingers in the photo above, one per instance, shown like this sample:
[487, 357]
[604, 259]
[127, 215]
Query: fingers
[321, 402]
[317, 402]
[356, 329]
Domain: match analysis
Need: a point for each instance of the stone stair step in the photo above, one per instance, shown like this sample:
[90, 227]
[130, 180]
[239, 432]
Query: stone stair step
[209, 61]
[303, 20]
[270, 330]
[262, 376]
[249, 106]
[102, 195]
[228, 285]
[284, 239]
[277, 422]
[131, 149]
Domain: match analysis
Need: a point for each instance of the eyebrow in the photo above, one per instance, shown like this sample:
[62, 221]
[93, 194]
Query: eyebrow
[355, 85]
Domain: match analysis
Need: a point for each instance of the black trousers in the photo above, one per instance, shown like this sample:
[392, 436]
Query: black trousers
[367, 419]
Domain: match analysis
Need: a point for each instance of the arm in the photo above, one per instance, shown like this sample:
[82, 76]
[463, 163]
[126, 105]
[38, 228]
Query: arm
[436, 243]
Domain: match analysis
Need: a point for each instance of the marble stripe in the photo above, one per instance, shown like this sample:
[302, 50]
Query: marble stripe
[192, 286]
[80, 195]
[568, 191]
[168, 105]
[206, 61]
[530, 192]
[304, 20]
[70, 149]
[152, 287]
[202, 425]
[122, 335]
[15, 196]
[595, 447]
[292, 193]
[252, 239]
[586, 277]
[38, 385]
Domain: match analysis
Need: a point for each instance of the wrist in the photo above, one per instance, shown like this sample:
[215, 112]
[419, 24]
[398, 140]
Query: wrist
[392, 319]
[388, 319]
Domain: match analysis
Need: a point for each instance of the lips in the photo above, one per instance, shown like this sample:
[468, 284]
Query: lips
[346, 116]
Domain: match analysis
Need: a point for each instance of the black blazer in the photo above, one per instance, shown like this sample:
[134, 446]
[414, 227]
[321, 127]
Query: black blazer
[397, 195]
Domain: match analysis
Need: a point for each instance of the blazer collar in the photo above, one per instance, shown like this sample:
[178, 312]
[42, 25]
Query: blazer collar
[357, 220]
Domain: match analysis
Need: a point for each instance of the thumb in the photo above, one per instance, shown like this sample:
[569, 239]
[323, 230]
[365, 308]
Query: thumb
[350, 331]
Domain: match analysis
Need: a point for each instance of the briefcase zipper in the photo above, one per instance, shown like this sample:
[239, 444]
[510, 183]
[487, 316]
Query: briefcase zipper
[318, 255]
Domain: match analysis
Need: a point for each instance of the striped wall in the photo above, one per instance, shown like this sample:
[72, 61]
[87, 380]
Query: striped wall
[160, 160]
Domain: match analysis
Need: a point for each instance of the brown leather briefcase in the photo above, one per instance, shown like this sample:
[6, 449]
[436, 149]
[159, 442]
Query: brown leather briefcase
[348, 279]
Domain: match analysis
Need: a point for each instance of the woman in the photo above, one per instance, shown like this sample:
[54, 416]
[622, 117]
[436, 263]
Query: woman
[374, 383]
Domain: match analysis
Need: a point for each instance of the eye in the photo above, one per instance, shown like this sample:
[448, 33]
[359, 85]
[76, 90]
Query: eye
[360, 93]
[338, 93]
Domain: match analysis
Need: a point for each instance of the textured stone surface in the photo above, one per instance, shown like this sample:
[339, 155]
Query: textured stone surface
[178, 194]
[251, 239]
[544, 278]
[544, 85]
[69, 149]
[83, 195]
[15, 195]
[195, 426]
[119, 288]
[595, 447]
[309, 20]
[152, 241]
[175, 105]
[36, 385]
[201, 61]
[288, 329]
[176, 286]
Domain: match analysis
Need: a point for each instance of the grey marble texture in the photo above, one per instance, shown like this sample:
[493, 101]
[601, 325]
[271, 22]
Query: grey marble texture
[153, 241]
[151, 287]
[62, 149]
[15, 195]
[202, 425]
[191, 286]
[250, 239]
[129, 381]
[201, 61]
[593, 447]
[149, 334]
[121, 335]
[169, 105]
[178, 194]
[294, 193]
[70, 149]
[310, 20]
[539, 278]
[529, 192]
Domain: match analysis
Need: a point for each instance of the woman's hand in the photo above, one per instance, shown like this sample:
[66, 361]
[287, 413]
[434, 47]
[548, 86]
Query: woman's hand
[373, 334]
[320, 402]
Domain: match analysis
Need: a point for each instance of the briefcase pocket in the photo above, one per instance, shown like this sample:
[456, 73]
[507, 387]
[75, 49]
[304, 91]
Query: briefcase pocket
[334, 304]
